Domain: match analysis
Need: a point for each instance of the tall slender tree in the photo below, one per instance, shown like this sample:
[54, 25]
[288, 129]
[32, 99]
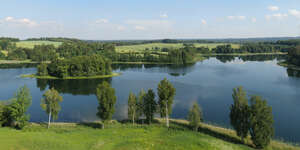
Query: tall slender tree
[140, 104]
[107, 100]
[132, 107]
[261, 122]
[239, 112]
[166, 93]
[50, 103]
[149, 106]
[195, 116]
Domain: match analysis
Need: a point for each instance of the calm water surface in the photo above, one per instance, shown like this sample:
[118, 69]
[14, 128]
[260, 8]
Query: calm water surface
[210, 83]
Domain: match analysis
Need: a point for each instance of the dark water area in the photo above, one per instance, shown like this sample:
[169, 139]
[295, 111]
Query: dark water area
[210, 83]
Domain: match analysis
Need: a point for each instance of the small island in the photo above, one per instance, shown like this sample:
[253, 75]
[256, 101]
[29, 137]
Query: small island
[80, 67]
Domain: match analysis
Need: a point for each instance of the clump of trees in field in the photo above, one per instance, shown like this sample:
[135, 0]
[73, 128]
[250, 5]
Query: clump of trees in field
[76, 67]
[256, 118]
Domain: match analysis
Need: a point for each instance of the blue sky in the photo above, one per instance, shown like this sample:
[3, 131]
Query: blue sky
[155, 19]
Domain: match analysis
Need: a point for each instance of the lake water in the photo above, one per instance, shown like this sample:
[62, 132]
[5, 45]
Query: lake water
[210, 83]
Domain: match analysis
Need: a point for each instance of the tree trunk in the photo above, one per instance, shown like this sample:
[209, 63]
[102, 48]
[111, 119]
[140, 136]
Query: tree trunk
[167, 116]
[103, 125]
[49, 120]
[133, 119]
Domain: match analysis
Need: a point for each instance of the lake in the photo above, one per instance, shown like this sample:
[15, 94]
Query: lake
[210, 83]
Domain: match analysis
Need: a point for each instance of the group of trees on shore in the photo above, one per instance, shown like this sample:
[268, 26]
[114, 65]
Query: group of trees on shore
[294, 56]
[251, 48]
[76, 67]
[256, 118]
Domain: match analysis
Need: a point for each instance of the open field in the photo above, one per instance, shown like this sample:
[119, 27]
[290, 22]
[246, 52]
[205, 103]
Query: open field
[31, 44]
[4, 52]
[116, 136]
[16, 61]
[152, 46]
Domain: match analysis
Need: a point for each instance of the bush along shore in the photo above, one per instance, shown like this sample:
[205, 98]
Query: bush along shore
[252, 123]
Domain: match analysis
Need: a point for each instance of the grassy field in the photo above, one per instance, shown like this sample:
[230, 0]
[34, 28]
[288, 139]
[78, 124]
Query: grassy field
[31, 44]
[70, 78]
[152, 46]
[116, 136]
[4, 52]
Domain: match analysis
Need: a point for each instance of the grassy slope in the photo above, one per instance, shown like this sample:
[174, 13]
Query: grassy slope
[31, 44]
[142, 47]
[116, 137]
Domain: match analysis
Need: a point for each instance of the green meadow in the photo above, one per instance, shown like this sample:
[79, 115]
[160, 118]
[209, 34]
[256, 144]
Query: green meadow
[117, 136]
[31, 44]
[152, 46]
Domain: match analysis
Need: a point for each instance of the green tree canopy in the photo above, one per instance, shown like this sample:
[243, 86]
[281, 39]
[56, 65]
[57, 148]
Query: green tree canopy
[15, 112]
[149, 105]
[50, 103]
[107, 100]
[166, 93]
[195, 116]
[239, 112]
[132, 107]
[261, 122]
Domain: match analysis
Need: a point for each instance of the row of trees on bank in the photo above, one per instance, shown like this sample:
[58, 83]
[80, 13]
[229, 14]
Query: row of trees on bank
[256, 118]
[251, 48]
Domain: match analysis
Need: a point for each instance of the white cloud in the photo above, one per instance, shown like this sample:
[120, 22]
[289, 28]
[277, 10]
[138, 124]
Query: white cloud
[204, 22]
[236, 17]
[254, 20]
[278, 16]
[231, 17]
[164, 15]
[24, 21]
[273, 8]
[139, 28]
[102, 21]
[9, 19]
[294, 12]
[120, 28]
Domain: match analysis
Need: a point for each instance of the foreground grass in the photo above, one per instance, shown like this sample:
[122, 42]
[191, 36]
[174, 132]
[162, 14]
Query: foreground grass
[31, 44]
[116, 136]
[70, 78]
[152, 46]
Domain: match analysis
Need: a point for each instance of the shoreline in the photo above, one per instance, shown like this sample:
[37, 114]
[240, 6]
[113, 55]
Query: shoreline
[70, 78]
[287, 65]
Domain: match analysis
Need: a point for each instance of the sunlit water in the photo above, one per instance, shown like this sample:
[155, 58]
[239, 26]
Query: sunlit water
[210, 83]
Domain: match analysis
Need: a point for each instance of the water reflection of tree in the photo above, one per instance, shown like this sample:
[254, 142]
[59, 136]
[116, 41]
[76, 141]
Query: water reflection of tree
[74, 87]
[226, 58]
[172, 69]
[293, 72]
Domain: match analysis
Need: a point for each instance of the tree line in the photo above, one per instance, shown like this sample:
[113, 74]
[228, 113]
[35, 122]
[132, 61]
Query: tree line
[294, 56]
[255, 119]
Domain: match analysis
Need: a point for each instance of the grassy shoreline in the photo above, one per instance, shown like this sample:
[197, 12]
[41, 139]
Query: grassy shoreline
[69, 78]
[125, 136]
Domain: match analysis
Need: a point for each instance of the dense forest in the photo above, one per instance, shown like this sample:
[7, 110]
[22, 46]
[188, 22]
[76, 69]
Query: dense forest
[74, 47]
[294, 56]
[76, 67]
